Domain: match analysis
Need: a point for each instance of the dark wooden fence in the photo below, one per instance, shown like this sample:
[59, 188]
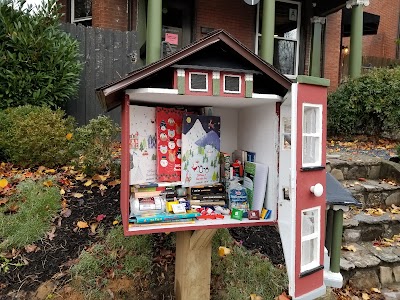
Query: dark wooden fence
[107, 55]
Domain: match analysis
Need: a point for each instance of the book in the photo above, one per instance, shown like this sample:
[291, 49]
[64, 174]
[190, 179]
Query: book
[208, 197]
[171, 222]
[200, 150]
[146, 194]
[169, 143]
[207, 203]
[255, 181]
[204, 190]
[142, 144]
[163, 217]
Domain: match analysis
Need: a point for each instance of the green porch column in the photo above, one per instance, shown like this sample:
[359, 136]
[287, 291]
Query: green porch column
[154, 31]
[329, 230]
[356, 35]
[316, 46]
[268, 31]
[336, 239]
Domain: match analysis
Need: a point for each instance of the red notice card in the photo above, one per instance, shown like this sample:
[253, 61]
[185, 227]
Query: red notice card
[171, 38]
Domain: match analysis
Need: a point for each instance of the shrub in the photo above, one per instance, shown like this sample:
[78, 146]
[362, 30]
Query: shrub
[32, 136]
[38, 203]
[369, 104]
[94, 143]
[38, 61]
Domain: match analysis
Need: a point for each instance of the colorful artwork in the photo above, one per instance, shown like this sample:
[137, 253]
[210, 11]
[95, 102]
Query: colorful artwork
[169, 142]
[200, 150]
[142, 146]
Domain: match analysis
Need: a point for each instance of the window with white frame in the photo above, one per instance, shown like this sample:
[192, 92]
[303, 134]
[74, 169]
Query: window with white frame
[198, 82]
[312, 135]
[232, 84]
[310, 238]
[286, 35]
[81, 12]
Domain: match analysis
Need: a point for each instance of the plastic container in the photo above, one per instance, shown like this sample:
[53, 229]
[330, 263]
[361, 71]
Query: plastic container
[149, 205]
[237, 196]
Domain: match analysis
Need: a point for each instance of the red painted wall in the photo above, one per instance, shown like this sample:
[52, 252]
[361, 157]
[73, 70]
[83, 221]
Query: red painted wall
[305, 179]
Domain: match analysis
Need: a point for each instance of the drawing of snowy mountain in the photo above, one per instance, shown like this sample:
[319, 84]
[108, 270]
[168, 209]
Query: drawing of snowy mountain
[200, 150]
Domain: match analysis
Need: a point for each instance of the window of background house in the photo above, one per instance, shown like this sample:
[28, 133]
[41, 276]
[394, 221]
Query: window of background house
[312, 135]
[287, 35]
[310, 239]
[81, 12]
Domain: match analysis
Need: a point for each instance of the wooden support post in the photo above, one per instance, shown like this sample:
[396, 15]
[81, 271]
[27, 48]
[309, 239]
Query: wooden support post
[193, 264]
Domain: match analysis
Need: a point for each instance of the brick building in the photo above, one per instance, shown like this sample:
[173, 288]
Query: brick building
[293, 37]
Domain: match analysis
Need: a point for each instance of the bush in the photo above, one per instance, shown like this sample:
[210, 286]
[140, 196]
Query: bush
[369, 104]
[33, 136]
[38, 61]
[94, 143]
[38, 203]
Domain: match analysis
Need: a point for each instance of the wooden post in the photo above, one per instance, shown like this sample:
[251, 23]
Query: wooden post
[193, 264]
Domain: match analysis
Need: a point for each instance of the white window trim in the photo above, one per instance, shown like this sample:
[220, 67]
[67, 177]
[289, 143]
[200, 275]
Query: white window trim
[190, 80]
[77, 20]
[316, 235]
[240, 84]
[318, 135]
[281, 38]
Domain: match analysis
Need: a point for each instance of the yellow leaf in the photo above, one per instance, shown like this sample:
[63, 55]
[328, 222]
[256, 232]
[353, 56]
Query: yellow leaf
[350, 248]
[223, 251]
[115, 222]
[253, 296]
[375, 290]
[88, 183]
[378, 248]
[80, 177]
[69, 136]
[77, 195]
[388, 240]
[62, 192]
[3, 183]
[102, 187]
[82, 224]
[114, 182]
[93, 227]
[50, 171]
[365, 296]
[48, 183]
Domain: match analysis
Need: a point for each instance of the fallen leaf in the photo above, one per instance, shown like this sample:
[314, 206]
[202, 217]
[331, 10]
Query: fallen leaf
[80, 177]
[349, 248]
[102, 187]
[88, 183]
[100, 217]
[31, 248]
[253, 296]
[77, 195]
[93, 227]
[3, 201]
[115, 222]
[376, 290]
[365, 296]
[69, 136]
[50, 171]
[66, 212]
[3, 183]
[62, 192]
[48, 183]
[51, 234]
[114, 182]
[82, 224]
[100, 177]
[223, 251]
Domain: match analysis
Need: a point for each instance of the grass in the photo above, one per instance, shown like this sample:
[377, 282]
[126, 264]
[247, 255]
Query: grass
[37, 205]
[119, 255]
[243, 273]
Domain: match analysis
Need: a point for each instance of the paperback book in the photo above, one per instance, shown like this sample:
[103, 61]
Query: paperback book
[142, 146]
[255, 182]
[200, 150]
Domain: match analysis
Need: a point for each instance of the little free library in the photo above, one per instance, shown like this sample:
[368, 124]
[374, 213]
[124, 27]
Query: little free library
[215, 137]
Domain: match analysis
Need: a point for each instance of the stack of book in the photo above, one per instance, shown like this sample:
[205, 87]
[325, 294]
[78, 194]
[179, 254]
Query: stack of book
[208, 195]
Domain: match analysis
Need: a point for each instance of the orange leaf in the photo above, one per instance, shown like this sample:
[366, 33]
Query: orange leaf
[82, 224]
[48, 183]
[69, 136]
[114, 182]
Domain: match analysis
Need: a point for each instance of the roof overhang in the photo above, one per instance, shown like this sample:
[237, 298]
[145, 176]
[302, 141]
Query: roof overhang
[112, 94]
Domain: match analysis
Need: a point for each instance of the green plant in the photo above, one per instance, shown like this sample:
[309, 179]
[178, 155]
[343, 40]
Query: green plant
[125, 255]
[32, 136]
[94, 143]
[366, 105]
[38, 61]
[37, 204]
[6, 263]
[241, 271]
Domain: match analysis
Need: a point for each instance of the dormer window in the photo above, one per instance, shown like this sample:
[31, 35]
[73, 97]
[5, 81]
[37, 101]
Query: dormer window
[198, 82]
[232, 84]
